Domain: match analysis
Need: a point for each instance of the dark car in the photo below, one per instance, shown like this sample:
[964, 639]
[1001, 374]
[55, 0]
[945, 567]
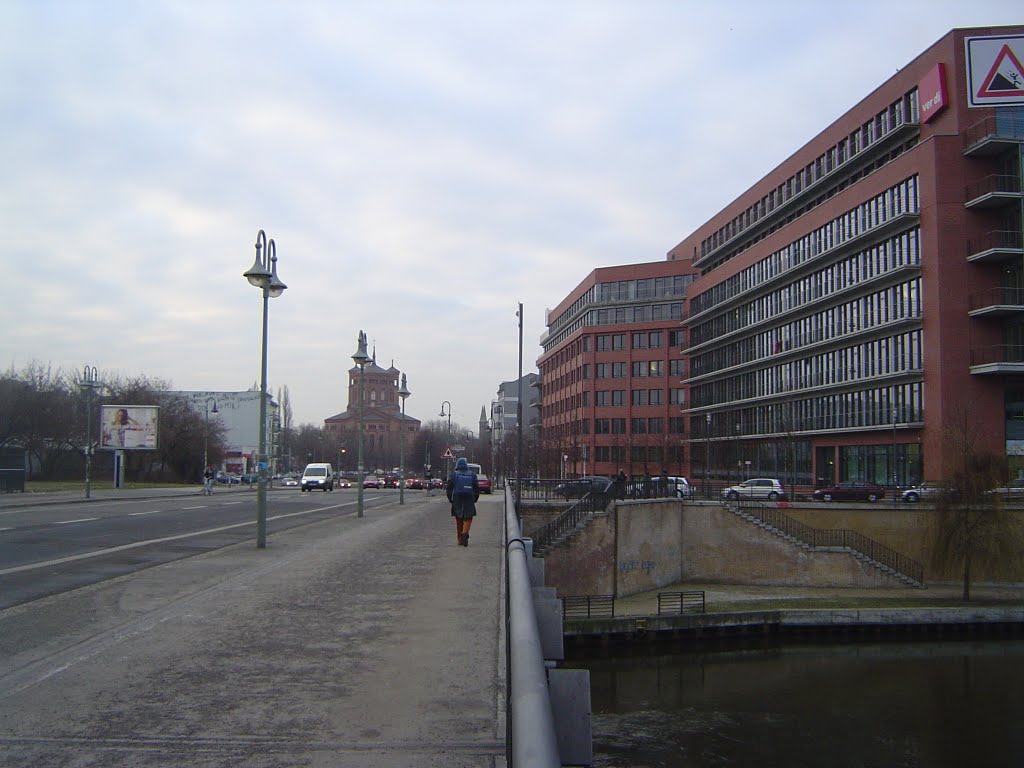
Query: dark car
[228, 479]
[850, 490]
[580, 487]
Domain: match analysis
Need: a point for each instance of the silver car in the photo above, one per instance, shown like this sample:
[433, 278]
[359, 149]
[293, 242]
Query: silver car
[760, 488]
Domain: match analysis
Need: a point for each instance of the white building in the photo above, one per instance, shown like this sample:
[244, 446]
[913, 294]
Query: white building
[239, 414]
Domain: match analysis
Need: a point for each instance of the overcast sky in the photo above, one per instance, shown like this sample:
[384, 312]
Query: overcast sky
[422, 167]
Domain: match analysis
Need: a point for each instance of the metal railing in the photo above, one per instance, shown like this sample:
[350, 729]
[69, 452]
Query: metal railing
[993, 126]
[832, 537]
[588, 606]
[691, 601]
[567, 521]
[997, 353]
[532, 736]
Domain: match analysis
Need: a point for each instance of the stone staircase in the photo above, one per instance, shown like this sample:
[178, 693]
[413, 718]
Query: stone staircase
[887, 561]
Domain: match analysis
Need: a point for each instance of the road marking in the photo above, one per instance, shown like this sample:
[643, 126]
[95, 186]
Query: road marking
[201, 506]
[151, 512]
[123, 547]
[79, 520]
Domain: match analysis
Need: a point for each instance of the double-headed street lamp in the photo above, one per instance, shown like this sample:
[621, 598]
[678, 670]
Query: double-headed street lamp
[361, 358]
[263, 275]
[206, 430]
[403, 392]
[442, 414]
[89, 384]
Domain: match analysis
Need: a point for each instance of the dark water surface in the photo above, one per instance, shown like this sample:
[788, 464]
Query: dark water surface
[954, 703]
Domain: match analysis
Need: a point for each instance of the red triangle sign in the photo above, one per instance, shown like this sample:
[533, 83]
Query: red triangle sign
[1006, 78]
[448, 454]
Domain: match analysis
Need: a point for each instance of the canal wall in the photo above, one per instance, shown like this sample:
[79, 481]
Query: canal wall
[643, 545]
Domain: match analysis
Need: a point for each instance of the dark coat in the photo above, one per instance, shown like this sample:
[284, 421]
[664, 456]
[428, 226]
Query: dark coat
[462, 506]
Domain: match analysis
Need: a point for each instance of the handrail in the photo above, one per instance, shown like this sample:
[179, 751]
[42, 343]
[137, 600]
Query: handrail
[532, 723]
[590, 504]
[833, 537]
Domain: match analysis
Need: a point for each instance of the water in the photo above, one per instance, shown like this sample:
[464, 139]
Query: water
[933, 705]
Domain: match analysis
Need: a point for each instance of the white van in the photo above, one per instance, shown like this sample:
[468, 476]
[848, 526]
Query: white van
[317, 476]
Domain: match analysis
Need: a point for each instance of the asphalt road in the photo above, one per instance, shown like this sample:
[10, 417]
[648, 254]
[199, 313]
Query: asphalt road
[371, 642]
[48, 549]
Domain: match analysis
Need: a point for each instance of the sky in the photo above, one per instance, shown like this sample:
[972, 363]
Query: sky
[422, 167]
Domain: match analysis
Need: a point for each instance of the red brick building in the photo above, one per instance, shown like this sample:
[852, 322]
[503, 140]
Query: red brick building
[611, 372]
[849, 309]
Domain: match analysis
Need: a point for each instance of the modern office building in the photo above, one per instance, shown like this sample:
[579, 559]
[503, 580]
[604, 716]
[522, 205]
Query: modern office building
[863, 301]
[848, 314]
[611, 373]
[505, 407]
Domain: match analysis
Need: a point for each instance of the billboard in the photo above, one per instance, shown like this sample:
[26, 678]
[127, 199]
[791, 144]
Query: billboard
[129, 427]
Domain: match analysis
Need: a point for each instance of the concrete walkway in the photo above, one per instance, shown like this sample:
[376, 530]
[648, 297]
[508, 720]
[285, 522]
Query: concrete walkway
[352, 642]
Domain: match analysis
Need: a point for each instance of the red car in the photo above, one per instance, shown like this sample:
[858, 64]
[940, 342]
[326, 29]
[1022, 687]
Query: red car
[485, 483]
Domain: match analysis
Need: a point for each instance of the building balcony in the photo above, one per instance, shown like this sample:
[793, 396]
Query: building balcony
[994, 191]
[993, 135]
[996, 302]
[998, 359]
[997, 245]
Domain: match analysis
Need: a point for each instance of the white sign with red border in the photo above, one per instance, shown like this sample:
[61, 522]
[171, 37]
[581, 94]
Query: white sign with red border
[995, 71]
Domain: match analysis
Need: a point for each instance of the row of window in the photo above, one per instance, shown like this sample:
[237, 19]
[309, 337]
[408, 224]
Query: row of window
[895, 201]
[895, 304]
[892, 355]
[640, 454]
[905, 110]
[872, 407]
[643, 313]
[644, 288]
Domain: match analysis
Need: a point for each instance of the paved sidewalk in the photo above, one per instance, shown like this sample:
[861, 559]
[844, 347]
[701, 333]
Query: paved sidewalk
[352, 642]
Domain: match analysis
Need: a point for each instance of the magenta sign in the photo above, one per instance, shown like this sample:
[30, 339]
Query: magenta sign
[932, 92]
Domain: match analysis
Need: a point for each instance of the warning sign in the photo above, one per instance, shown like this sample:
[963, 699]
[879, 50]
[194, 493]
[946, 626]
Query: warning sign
[447, 454]
[995, 76]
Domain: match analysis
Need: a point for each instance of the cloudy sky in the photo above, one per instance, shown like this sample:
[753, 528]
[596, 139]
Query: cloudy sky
[423, 167]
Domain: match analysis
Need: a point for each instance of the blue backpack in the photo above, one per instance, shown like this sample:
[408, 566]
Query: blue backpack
[463, 484]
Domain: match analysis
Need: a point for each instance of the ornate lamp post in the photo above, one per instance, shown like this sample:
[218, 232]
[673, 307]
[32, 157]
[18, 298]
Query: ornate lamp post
[442, 414]
[206, 430]
[89, 384]
[403, 392]
[263, 275]
[361, 358]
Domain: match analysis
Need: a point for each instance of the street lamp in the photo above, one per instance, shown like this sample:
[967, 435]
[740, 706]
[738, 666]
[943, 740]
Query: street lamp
[206, 430]
[89, 384]
[403, 392]
[442, 414]
[263, 275]
[361, 358]
[707, 456]
[895, 415]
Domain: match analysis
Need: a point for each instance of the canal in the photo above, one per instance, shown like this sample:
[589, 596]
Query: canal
[951, 703]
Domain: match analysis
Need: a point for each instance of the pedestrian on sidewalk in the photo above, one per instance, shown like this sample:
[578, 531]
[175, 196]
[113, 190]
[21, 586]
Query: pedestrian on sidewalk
[463, 491]
[208, 478]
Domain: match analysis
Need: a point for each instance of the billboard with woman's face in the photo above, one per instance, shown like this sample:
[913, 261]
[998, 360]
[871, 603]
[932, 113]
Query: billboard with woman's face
[129, 427]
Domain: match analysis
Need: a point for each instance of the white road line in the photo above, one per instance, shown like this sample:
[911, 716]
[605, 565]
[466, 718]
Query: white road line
[201, 506]
[151, 512]
[79, 520]
[123, 547]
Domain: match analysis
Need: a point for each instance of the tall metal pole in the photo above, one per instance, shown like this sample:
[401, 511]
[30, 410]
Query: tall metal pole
[403, 392]
[90, 380]
[707, 457]
[519, 403]
[261, 489]
[447, 466]
[361, 358]
[263, 274]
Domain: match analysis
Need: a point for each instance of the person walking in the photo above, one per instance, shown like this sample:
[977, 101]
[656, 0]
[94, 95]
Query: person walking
[463, 491]
[208, 477]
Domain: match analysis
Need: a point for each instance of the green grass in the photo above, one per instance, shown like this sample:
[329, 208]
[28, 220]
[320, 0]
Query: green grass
[49, 486]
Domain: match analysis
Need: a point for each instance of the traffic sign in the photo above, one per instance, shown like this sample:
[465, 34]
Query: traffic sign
[447, 454]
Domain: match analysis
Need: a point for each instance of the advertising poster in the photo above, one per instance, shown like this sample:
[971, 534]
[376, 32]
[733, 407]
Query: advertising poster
[129, 427]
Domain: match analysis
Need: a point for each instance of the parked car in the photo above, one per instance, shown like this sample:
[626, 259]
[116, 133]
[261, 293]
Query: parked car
[923, 492]
[485, 483]
[760, 488]
[227, 479]
[850, 490]
[581, 486]
[371, 481]
[1012, 490]
[437, 482]
[680, 488]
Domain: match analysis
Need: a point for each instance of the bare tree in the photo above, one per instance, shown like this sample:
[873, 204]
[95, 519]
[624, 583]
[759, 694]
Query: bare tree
[974, 529]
